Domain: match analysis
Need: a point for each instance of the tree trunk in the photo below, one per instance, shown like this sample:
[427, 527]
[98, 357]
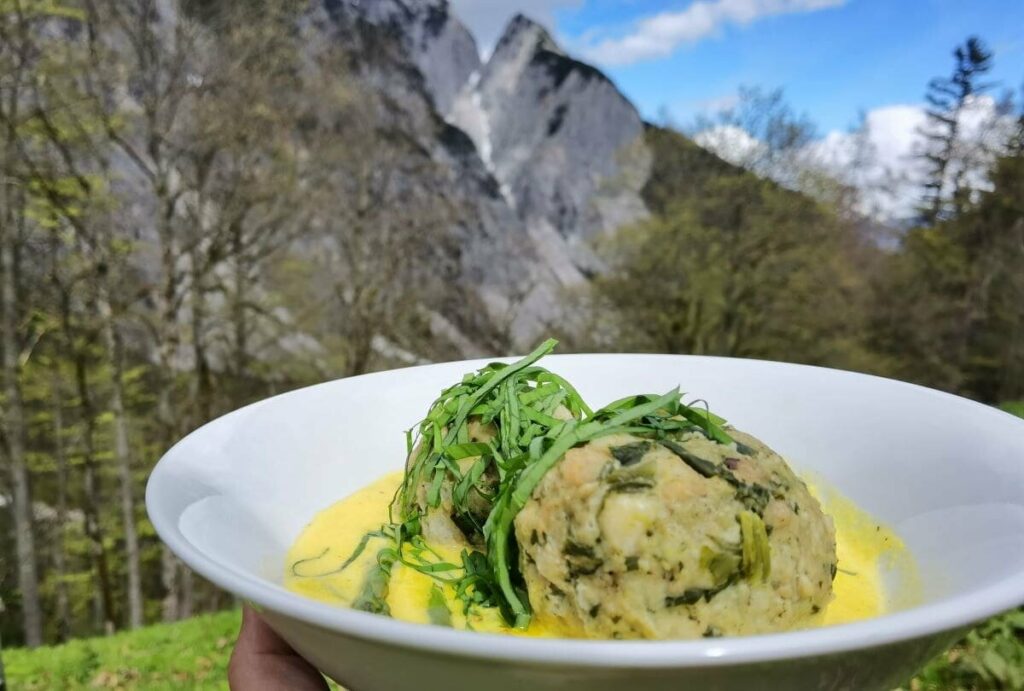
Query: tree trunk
[14, 430]
[115, 353]
[98, 618]
[360, 349]
[171, 568]
[3, 674]
[203, 393]
[90, 478]
[203, 397]
[63, 610]
[172, 571]
[13, 412]
[188, 596]
[166, 349]
[239, 313]
[169, 578]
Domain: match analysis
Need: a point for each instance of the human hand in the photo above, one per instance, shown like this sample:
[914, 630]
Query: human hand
[263, 661]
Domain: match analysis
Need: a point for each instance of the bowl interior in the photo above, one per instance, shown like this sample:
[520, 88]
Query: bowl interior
[945, 473]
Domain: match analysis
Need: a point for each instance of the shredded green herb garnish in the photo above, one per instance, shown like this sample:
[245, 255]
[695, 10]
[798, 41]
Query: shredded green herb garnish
[344, 565]
[437, 607]
[300, 562]
[479, 454]
[373, 597]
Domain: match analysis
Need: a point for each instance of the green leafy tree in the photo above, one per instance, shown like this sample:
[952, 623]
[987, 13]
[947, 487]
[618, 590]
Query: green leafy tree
[746, 269]
[24, 46]
[946, 189]
[990, 237]
[950, 303]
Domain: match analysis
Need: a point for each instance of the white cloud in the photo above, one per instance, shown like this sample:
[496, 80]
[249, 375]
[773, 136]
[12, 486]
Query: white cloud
[487, 18]
[732, 143]
[883, 159]
[659, 35]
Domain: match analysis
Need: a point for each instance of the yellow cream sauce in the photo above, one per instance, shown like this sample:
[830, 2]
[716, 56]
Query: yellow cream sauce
[312, 567]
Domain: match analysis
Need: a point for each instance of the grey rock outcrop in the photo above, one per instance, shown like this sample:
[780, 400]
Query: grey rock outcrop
[440, 47]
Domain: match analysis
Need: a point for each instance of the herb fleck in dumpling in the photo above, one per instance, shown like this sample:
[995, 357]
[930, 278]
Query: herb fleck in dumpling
[678, 537]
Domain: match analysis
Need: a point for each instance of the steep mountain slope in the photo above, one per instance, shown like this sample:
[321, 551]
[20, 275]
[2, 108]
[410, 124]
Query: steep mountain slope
[561, 140]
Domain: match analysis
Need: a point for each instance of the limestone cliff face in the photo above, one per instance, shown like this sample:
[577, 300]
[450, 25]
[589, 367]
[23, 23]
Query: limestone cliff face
[440, 47]
[562, 142]
[542, 149]
[499, 268]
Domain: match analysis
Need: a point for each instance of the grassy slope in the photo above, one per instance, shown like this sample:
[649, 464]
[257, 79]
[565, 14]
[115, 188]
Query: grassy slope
[194, 654]
[1017, 408]
[191, 654]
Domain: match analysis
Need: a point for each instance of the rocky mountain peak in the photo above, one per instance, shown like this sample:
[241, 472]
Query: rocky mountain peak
[522, 33]
[563, 143]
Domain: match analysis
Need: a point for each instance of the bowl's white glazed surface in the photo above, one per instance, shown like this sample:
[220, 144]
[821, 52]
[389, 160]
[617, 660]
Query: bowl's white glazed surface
[946, 473]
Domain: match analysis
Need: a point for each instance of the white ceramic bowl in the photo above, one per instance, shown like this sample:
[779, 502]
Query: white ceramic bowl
[946, 473]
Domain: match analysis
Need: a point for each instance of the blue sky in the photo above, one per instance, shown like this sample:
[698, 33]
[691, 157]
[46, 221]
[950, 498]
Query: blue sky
[834, 58]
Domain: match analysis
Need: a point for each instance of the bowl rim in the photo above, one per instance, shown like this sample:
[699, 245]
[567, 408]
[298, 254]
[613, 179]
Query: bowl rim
[949, 615]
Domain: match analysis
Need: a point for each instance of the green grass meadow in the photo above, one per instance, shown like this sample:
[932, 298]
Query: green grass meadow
[191, 654]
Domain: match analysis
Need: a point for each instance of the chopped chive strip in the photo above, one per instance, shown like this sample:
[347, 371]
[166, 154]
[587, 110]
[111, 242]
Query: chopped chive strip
[344, 565]
[459, 451]
[373, 597]
[437, 607]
